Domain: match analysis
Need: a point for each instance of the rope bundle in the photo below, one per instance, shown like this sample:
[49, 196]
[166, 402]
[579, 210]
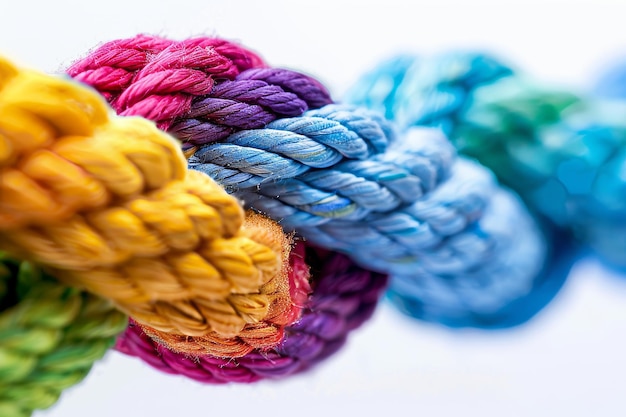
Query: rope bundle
[218, 86]
[561, 152]
[125, 220]
[108, 205]
[341, 177]
[171, 73]
[344, 297]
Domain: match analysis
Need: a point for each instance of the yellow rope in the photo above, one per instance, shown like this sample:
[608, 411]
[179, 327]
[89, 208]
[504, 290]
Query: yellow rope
[107, 204]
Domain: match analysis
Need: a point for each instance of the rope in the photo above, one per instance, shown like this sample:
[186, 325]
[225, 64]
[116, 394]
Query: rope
[499, 271]
[125, 220]
[263, 335]
[158, 78]
[459, 233]
[340, 177]
[50, 335]
[344, 297]
[562, 153]
[200, 89]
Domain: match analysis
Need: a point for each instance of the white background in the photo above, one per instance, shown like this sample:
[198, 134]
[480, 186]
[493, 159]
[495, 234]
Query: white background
[570, 361]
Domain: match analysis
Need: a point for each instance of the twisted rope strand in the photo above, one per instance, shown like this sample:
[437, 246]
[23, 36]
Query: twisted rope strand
[248, 102]
[138, 74]
[449, 232]
[283, 311]
[561, 152]
[277, 169]
[124, 219]
[344, 297]
[50, 335]
[338, 177]
[200, 90]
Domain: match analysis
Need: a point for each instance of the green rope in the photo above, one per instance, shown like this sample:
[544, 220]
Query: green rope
[50, 336]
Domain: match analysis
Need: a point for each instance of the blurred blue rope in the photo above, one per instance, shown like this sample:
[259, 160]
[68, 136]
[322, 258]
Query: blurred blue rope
[343, 179]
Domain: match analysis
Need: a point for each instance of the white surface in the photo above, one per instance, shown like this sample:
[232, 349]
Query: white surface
[570, 361]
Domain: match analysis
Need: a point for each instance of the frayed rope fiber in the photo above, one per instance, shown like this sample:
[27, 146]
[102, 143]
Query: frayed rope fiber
[563, 153]
[50, 335]
[264, 334]
[344, 297]
[124, 219]
[340, 177]
[200, 89]
[159, 77]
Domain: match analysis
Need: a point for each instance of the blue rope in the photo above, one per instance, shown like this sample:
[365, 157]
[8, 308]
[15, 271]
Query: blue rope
[499, 272]
[561, 153]
[277, 170]
[343, 179]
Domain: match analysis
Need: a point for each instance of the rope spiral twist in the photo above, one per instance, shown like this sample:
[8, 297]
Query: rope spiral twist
[560, 151]
[126, 220]
[341, 177]
[344, 297]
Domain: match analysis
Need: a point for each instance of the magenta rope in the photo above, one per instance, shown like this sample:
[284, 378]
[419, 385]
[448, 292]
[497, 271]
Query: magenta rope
[344, 297]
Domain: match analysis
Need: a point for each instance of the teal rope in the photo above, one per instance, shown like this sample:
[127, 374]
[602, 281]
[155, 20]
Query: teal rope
[562, 153]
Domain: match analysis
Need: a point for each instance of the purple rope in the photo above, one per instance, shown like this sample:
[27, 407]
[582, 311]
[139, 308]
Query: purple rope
[250, 101]
[344, 297]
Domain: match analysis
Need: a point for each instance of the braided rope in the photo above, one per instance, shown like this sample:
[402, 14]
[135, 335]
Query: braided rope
[278, 165]
[200, 89]
[50, 335]
[341, 178]
[344, 297]
[124, 219]
[140, 75]
[263, 335]
[498, 271]
[438, 243]
[562, 153]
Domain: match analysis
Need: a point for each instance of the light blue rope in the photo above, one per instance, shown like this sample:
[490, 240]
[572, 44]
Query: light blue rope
[495, 272]
[277, 169]
[395, 204]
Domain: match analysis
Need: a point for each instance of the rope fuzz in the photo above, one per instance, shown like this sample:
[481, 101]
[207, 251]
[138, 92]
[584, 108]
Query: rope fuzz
[123, 218]
[344, 297]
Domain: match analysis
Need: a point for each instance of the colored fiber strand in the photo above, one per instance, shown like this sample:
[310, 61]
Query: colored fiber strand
[124, 219]
[344, 297]
[340, 177]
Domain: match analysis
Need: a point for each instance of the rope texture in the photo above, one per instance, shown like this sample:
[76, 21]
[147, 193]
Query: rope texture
[50, 335]
[451, 235]
[125, 220]
[158, 78]
[254, 335]
[344, 297]
[341, 178]
[562, 153]
[200, 89]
